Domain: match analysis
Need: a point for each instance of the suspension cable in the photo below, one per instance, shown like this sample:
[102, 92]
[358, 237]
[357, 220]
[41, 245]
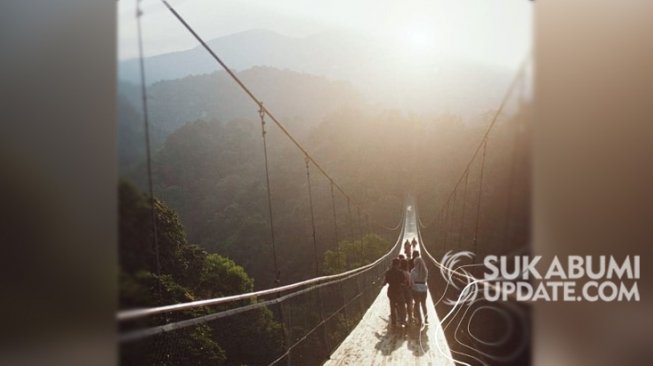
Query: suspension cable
[147, 332]
[254, 98]
[518, 76]
[146, 122]
[277, 273]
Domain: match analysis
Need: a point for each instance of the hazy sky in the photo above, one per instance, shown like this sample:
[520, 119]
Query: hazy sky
[496, 32]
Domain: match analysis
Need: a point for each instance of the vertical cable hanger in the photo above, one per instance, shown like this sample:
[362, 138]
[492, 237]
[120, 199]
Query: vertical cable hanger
[254, 98]
[445, 226]
[148, 155]
[310, 205]
[277, 273]
[519, 77]
[307, 161]
[335, 225]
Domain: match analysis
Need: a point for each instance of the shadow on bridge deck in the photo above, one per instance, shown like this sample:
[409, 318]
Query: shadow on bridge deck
[373, 342]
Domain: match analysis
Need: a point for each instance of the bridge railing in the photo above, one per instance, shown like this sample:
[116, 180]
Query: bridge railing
[300, 323]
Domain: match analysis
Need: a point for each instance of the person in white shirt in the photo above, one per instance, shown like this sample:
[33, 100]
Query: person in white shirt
[419, 275]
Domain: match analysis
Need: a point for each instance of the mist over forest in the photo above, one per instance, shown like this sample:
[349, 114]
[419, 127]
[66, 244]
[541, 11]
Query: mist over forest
[208, 159]
[209, 177]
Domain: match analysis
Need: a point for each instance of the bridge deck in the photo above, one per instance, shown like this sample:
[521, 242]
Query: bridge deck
[373, 342]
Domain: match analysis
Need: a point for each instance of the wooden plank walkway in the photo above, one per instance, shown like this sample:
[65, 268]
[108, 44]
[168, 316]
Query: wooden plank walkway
[372, 342]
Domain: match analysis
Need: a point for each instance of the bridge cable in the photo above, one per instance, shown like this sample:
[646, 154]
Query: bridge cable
[315, 255]
[337, 246]
[335, 225]
[277, 273]
[252, 96]
[518, 76]
[310, 205]
[146, 123]
[322, 323]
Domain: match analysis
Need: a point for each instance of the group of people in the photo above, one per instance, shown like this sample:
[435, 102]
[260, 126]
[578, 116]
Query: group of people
[407, 288]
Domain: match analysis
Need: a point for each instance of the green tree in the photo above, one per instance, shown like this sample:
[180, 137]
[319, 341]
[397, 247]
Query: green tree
[188, 273]
[356, 253]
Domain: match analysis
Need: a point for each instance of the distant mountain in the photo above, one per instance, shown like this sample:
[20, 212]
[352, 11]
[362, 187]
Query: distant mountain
[383, 71]
[299, 100]
[324, 54]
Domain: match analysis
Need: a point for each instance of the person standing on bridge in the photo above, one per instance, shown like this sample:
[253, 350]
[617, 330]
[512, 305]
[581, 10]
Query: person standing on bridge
[419, 274]
[408, 290]
[411, 261]
[407, 248]
[396, 281]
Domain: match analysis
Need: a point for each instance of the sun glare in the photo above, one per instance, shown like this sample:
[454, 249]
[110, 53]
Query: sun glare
[419, 39]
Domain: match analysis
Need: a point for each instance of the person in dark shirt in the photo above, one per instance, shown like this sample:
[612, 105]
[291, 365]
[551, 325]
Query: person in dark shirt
[411, 261]
[407, 290]
[396, 280]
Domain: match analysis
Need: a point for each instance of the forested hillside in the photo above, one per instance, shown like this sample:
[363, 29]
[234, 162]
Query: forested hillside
[172, 103]
[209, 181]
[210, 168]
[187, 273]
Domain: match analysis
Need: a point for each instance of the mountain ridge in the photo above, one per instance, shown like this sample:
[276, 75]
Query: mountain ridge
[378, 68]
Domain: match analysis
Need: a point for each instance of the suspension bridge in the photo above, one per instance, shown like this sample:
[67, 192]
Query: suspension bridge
[374, 342]
[343, 318]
